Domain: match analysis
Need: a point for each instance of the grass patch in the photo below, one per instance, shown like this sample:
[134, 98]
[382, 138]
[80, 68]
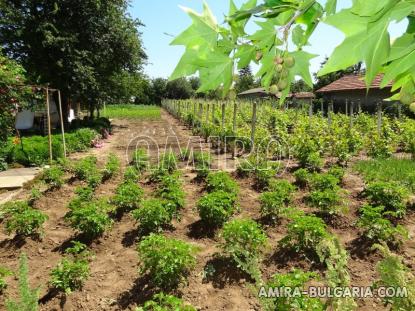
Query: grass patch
[145, 112]
[388, 170]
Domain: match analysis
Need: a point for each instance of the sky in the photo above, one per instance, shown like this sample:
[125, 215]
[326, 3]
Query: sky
[164, 19]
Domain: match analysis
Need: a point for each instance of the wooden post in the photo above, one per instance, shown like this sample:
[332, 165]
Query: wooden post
[49, 126]
[379, 114]
[213, 113]
[347, 106]
[194, 114]
[359, 106]
[235, 111]
[62, 127]
[223, 116]
[329, 112]
[207, 112]
[200, 112]
[322, 107]
[351, 113]
[399, 110]
[253, 123]
[310, 109]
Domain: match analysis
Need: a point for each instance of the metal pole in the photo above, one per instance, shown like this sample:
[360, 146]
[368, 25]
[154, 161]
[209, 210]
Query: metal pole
[49, 126]
[62, 127]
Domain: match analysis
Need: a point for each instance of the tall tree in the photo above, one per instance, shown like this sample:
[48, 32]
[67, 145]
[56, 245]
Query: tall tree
[245, 80]
[77, 46]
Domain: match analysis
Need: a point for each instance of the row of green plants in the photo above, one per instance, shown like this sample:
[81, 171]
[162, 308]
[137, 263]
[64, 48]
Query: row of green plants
[293, 132]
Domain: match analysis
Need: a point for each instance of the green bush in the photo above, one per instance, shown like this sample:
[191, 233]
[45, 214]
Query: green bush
[72, 271]
[338, 172]
[321, 182]
[90, 218]
[131, 175]
[275, 201]
[128, 196]
[170, 190]
[203, 162]
[83, 194]
[54, 177]
[153, 215]
[291, 280]
[86, 169]
[244, 241]
[302, 177]
[167, 261]
[22, 219]
[327, 201]
[162, 302]
[112, 167]
[221, 181]
[379, 229]
[216, 208]
[140, 160]
[305, 233]
[168, 162]
[28, 298]
[389, 195]
[263, 176]
[80, 140]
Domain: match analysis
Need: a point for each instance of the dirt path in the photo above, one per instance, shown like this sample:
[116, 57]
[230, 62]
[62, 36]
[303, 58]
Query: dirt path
[115, 284]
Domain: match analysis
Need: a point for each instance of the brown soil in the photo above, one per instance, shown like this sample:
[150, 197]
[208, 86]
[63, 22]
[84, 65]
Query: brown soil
[115, 283]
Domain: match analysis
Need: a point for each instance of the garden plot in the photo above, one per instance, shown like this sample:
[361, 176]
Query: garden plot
[204, 212]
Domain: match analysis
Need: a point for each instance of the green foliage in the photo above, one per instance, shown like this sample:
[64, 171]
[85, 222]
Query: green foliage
[72, 271]
[112, 167]
[393, 273]
[263, 174]
[202, 161]
[86, 169]
[379, 229]
[305, 233]
[294, 279]
[328, 201]
[22, 219]
[216, 207]
[28, 298]
[167, 261]
[3, 274]
[302, 177]
[168, 162]
[140, 160]
[141, 112]
[221, 181]
[153, 215]
[275, 201]
[243, 241]
[128, 196]
[54, 177]
[389, 195]
[338, 172]
[163, 302]
[90, 218]
[131, 175]
[244, 168]
[170, 190]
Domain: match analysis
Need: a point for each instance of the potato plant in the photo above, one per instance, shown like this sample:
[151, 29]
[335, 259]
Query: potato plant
[112, 167]
[202, 162]
[244, 241]
[275, 201]
[90, 218]
[221, 181]
[4, 273]
[216, 208]
[170, 190]
[131, 174]
[128, 196]
[72, 271]
[293, 279]
[379, 229]
[163, 302]
[140, 160]
[54, 177]
[22, 219]
[86, 170]
[167, 261]
[153, 215]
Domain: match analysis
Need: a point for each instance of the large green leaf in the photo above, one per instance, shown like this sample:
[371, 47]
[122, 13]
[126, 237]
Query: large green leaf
[368, 7]
[397, 67]
[331, 7]
[245, 54]
[186, 66]
[265, 37]
[302, 66]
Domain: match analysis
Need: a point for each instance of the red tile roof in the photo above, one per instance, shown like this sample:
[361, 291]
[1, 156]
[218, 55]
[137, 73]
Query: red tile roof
[304, 95]
[351, 82]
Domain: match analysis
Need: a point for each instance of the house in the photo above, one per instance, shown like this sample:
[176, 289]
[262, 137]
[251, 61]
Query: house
[351, 89]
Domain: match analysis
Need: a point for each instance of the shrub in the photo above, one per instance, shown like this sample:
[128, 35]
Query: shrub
[23, 219]
[394, 274]
[91, 218]
[302, 177]
[323, 182]
[243, 241]
[221, 181]
[28, 298]
[84, 194]
[80, 140]
[131, 175]
[128, 196]
[140, 160]
[294, 279]
[54, 177]
[112, 167]
[275, 201]
[328, 201]
[153, 215]
[87, 170]
[162, 302]
[3, 274]
[390, 195]
[216, 208]
[379, 229]
[170, 189]
[166, 260]
[72, 272]
[305, 233]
